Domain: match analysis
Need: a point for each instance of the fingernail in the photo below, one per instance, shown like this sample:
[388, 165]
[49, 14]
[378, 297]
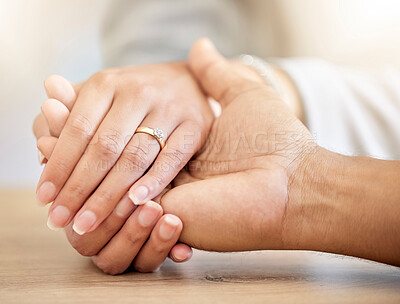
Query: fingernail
[139, 195]
[50, 225]
[168, 227]
[84, 222]
[46, 192]
[181, 257]
[124, 207]
[58, 217]
[41, 158]
[149, 214]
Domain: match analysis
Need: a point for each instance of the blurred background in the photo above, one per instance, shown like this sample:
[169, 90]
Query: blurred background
[76, 38]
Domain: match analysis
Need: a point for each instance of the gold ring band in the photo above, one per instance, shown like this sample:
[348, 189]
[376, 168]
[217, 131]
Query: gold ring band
[157, 133]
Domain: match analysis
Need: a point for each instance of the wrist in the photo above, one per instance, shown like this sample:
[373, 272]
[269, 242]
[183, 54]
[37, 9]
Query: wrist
[345, 205]
[311, 206]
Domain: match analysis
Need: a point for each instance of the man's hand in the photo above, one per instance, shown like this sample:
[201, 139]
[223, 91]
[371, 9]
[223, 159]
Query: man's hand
[235, 194]
[263, 183]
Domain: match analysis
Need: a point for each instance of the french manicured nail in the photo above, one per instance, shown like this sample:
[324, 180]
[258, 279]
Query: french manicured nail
[50, 225]
[124, 207]
[139, 195]
[41, 158]
[149, 214]
[46, 192]
[58, 217]
[84, 222]
[168, 227]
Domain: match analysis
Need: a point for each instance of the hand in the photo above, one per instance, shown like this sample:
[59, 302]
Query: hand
[263, 183]
[145, 256]
[146, 238]
[235, 194]
[97, 145]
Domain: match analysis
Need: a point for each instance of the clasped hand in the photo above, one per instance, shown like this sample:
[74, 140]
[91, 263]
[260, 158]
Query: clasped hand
[109, 185]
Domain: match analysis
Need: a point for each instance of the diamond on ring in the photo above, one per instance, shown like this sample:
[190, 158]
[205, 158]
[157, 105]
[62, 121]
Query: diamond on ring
[158, 133]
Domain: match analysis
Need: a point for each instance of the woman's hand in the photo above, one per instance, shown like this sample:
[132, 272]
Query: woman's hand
[98, 157]
[152, 244]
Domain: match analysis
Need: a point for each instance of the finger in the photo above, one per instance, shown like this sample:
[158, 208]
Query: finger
[102, 153]
[40, 126]
[163, 237]
[135, 159]
[45, 145]
[211, 221]
[91, 243]
[59, 88]
[98, 238]
[56, 114]
[92, 105]
[40, 129]
[157, 199]
[184, 177]
[119, 253]
[218, 77]
[180, 253]
[181, 146]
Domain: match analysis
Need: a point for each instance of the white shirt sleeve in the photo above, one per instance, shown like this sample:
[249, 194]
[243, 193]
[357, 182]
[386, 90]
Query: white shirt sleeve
[348, 110]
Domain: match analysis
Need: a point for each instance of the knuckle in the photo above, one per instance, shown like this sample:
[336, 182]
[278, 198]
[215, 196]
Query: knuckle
[138, 91]
[160, 249]
[132, 233]
[61, 166]
[135, 158]
[103, 80]
[158, 177]
[133, 236]
[108, 267]
[198, 124]
[147, 91]
[80, 124]
[109, 144]
[82, 247]
[105, 199]
[142, 90]
[77, 190]
[175, 157]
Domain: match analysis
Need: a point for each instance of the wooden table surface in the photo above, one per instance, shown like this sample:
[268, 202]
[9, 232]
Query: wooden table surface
[38, 266]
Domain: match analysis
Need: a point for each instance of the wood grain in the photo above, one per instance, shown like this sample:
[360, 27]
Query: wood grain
[38, 266]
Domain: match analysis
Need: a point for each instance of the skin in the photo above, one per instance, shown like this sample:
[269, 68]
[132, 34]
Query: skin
[261, 182]
[150, 245]
[292, 194]
[98, 157]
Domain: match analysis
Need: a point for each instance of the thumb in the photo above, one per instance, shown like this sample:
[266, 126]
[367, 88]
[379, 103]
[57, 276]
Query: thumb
[211, 218]
[220, 78]
[57, 87]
